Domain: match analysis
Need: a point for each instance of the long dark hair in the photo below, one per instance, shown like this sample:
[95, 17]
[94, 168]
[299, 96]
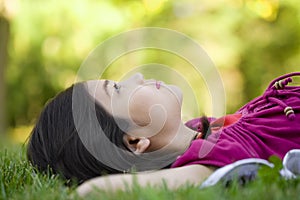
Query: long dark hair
[55, 144]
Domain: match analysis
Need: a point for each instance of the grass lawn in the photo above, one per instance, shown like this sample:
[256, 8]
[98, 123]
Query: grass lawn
[18, 180]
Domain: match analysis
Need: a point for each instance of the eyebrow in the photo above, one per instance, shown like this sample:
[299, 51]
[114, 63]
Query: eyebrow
[106, 82]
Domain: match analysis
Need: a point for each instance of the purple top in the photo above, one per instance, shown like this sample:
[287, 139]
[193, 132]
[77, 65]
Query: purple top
[268, 125]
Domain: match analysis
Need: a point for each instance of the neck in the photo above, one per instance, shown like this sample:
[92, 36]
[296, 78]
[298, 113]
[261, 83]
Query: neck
[183, 138]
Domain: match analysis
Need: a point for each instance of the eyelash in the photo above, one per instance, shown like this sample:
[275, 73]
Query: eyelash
[117, 87]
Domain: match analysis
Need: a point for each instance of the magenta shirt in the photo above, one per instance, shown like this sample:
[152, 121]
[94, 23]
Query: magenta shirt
[260, 129]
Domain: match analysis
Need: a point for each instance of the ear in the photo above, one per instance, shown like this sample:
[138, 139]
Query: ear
[135, 144]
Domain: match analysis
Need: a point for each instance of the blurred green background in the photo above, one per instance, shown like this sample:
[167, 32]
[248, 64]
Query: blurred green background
[43, 43]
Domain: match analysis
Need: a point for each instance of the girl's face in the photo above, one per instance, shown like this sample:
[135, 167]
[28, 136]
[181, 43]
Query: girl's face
[152, 107]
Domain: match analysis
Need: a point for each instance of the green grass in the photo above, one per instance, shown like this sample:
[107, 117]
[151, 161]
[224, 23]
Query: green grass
[18, 180]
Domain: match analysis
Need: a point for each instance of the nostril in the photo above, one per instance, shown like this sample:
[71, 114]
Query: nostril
[139, 78]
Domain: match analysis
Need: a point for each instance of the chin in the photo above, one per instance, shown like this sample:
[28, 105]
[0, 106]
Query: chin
[177, 91]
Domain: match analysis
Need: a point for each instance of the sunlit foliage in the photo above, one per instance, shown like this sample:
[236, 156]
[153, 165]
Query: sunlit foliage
[250, 42]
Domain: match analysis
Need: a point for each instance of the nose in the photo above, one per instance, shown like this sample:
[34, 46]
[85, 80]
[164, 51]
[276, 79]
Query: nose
[137, 78]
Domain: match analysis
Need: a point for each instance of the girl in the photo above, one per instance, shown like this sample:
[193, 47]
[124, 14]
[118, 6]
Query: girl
[142, 121]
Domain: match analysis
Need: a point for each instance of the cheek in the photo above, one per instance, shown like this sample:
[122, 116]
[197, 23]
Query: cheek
[139, 107]
[147, 103]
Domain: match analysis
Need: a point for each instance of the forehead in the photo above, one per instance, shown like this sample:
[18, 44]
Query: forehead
[94, 85]
[96, 89]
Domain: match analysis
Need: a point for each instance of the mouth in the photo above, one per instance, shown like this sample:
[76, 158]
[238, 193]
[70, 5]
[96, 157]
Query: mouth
[157, 84]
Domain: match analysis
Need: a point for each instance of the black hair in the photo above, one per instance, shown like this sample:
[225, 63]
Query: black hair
[206, 130]
[54, 141]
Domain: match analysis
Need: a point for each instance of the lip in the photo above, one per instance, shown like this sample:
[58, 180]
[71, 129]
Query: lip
[158, 84]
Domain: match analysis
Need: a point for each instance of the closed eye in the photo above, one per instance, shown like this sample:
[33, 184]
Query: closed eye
[117, 87]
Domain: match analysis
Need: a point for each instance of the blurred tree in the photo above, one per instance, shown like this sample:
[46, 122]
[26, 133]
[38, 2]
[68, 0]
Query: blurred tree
[4, 37]
[50, 39]
[268, 46]
[250, 41]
